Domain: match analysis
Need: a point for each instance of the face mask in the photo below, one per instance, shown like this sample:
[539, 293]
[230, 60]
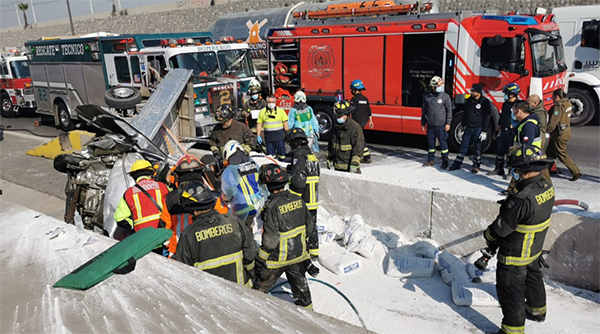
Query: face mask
[341, 120]
[513, 116]
[516, 176]
[506, 97]
[439, 89]
[271, 105]
[255, 97]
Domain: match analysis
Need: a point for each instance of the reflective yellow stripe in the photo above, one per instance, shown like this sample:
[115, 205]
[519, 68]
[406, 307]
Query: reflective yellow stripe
[533, 228]
[312, 181]
[234, 258]
[342, 147]
[249, 266]
[513, 329]
[312, 157]
[136, 203]
[356, 160]
[146, 219]
[309, 306]
[285, 236]
[295, 193]
[247, 190]
[488, 236]
[536, 310]
[314, 252]
[263, 255]
[517, 261]
[278, 264]
[340, 166]
[292, 233]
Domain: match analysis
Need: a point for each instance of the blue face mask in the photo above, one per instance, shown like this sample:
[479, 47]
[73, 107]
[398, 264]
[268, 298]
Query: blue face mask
[255, 97]
[512, 116]
[506, 97]
[341, 120]
[439, 89]
[516, 176]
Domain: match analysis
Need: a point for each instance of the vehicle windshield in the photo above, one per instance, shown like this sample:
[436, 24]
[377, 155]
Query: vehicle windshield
[548, 59]
[235, 64]
[201, 63]
[20, 69]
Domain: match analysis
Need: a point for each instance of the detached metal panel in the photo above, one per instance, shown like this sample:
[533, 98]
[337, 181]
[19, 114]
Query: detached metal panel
[95, 86]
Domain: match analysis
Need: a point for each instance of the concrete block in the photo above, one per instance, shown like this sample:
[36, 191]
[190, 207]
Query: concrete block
[381, 204]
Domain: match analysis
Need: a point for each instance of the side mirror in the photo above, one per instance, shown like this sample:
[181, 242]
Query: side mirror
[555, 41]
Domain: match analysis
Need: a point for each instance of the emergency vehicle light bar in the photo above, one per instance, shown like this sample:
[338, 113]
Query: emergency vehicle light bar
[514, 20]
[365, 11]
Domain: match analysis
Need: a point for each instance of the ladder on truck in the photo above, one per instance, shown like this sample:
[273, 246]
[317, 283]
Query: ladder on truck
[405, 9]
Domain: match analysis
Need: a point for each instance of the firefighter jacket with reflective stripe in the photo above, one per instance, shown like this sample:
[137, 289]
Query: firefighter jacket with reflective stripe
[220, 245]
[346, 145]
[286, 227]
[272, 121]
[477, 113]
[560, 115]
[139, 210]
[304, 182]
[250, 105]
[436, 110]
[528, 132]
[237, 131]
[240, 185]
[363, 109]
[520, 228]
[174, 218]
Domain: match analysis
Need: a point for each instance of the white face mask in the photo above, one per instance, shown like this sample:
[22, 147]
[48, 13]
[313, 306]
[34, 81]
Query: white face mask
[439, 89]
[341, 120]
[255, 97]
[271, 105]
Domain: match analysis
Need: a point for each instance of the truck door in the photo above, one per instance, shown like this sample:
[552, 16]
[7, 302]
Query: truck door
[363, 59]
[122, 69]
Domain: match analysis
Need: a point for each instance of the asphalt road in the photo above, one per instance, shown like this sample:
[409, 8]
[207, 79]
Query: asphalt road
[37, 173]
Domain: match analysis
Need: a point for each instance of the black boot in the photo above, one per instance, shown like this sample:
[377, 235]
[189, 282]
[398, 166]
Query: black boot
[455, 166]
[445, 163]
[499, 170]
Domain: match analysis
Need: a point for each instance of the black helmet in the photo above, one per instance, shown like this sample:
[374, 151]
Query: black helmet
[342, 108]
[297, 136]
[528, 158]
[224, 113]
[273, 176]
[195, 195]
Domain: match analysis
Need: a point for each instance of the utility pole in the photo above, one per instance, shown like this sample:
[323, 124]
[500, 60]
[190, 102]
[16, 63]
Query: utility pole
[70, 18]
[91, 8]
[17, 12]
[33, 10]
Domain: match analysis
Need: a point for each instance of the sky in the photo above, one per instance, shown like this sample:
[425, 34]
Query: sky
[48, 10]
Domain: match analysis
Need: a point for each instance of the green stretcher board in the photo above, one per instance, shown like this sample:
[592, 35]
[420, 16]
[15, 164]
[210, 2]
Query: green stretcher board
[118, 259]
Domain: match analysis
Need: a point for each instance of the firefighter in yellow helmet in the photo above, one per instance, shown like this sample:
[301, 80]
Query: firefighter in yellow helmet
[345, 149]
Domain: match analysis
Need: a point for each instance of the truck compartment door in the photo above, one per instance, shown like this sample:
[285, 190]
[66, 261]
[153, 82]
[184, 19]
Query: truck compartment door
[363, 59]
[321, 65]
[41, 89]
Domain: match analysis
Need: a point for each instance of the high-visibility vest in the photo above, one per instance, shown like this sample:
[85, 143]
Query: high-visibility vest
[537, 141]
[144, 212]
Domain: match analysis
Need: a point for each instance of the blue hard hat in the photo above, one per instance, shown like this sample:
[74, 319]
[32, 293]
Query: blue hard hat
[357, 84]
[512, 88]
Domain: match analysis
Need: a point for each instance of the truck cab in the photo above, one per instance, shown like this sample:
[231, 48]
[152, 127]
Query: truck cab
[16, 90]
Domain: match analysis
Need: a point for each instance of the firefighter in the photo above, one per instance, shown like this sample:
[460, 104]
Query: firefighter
[239, 183]
[254, 105]
[435, 120]
[219, 244]
[229, 129]
[476, 119]
[173, 217]
[274, 121]
[141, 205]
[504, 129]
[345, 148]
[302, 116]
[362, 112]
[304, 180]
[559, 128]
[518, 232]
[287, 225]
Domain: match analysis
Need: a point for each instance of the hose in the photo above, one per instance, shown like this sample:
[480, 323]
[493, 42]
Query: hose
[9, 128]
[328, 285]
[580, 204]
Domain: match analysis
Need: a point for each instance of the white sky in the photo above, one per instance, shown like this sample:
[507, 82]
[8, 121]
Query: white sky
[48, 10]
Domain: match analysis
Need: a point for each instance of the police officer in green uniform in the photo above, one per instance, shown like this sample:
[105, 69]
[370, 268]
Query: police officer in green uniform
[304, 179]
[345, 148]
[518, 232]
[559, 128]
[287, 225]
[218, 244]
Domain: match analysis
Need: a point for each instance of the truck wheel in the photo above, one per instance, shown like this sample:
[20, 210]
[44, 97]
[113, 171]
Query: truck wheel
[583, 106]
[122, 97]
[64, 117]
[7, 106]
[456, 133]
[325, 119]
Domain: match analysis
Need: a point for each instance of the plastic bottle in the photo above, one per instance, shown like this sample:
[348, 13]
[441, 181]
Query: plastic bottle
[78, 222]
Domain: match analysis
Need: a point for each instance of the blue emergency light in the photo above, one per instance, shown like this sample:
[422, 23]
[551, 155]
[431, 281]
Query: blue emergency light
[512, 19]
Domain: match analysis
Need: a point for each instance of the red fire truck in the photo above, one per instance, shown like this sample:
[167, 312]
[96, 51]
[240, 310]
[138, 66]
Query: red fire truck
[16, 91]
[395, 50]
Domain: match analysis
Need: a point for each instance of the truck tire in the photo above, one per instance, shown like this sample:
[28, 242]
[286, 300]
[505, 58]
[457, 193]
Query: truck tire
[325, 119]
[65, 122]
[122, 97]
[7, 106]
[455, 134]
[583, 106]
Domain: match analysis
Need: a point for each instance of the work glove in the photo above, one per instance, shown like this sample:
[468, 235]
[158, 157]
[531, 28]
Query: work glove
[259, 139]
[329, 164]
[355, 169]
[251, 274]
[483, 136]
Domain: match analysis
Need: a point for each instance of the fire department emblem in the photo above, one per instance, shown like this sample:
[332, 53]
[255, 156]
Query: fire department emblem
[320, 61]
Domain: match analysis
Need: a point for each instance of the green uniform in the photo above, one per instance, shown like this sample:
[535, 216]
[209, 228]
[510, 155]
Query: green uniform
[559, 128]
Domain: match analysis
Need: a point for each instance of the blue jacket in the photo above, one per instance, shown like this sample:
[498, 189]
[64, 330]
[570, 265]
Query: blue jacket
[302, 116]
[240, 185]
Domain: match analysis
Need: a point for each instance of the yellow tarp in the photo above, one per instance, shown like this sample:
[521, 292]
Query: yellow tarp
[65, 143]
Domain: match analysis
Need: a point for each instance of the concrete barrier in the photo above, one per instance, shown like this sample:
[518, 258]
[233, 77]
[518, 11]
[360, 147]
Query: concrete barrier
[456, 222]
